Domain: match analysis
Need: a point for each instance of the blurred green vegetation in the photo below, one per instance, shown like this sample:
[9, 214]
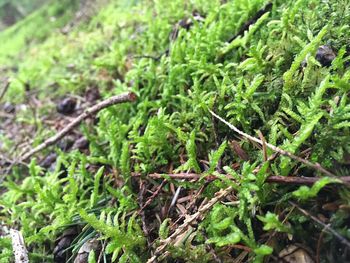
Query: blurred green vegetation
[34, 28]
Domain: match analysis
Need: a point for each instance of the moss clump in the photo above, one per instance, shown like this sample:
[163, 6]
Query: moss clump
[267, 79]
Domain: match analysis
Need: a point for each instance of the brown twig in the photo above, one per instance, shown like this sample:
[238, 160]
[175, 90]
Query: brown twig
[102, 251]
[317, 166]
[142, 190]
[251, 21]
[319, 244]
[262, 138]
[301, 180]
[150, 199]
[5, 88]
[190, 205]
[294, 180]
[326, 228]
[124, 97]
[241, 247]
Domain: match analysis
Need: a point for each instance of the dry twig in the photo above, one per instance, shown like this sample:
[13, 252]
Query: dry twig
[5, 88]
[124, 97]
[326, 228]
[317, 166]
[251, 21]
[150, 199]
[295, 180]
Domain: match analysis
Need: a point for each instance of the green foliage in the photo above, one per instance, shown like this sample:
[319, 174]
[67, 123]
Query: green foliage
[94, 195]
[310, 48]
[164, 229]
[125, 236]
[48, 18]
[266, 80]
[271, 222]
[215, 156]
[243, 41]
[92, 257]
[191, 163]
[305, 192]
[6, 249]
[192, 254]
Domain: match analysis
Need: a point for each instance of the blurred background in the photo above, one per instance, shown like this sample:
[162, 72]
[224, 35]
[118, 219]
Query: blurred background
[12, 11]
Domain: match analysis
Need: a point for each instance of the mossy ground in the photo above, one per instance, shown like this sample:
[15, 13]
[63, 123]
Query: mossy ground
[181, 61]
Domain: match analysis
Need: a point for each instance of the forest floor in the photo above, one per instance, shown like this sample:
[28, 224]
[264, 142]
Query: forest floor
[176, 131]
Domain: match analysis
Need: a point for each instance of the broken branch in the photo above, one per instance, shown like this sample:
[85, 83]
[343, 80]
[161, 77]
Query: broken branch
[124, 97]
[251, 21]
[317, 166]
[5, 88]
[294, 180]
[326, 228]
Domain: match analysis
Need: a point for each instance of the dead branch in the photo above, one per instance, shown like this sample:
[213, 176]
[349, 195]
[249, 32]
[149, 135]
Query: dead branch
[19, 248]
[5, 88]
[294, 180]
[326, 228]
[251, 21]
[150, 199]
[301, 180]
[124, 97]
[316, 166]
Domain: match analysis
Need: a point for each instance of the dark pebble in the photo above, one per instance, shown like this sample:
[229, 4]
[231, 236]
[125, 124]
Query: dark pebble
[325, 55]
[9, 108]
[62, 243]
[81, 144]
[48, 160]
[186, 23]
[86, 248]
[66, 106]
[65, 144]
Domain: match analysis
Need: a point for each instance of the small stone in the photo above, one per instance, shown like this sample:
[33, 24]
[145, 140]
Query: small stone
[9, 108]
[48, 160]
[86, 248]
[325, 55]
[65, 144]
[81, 144]
[62, 243]
[66, 106]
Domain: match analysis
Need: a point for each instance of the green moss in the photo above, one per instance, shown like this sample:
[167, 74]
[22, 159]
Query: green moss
[258, 82]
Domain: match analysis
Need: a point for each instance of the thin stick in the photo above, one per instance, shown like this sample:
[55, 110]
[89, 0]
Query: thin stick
[316, 166]
[294, 180]
[319, 244]
[150, 199]
[301, 180]
[251, 21]
[124, 97]
[5, 88]
[327, 228]
[19, 248]
[262, 138]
